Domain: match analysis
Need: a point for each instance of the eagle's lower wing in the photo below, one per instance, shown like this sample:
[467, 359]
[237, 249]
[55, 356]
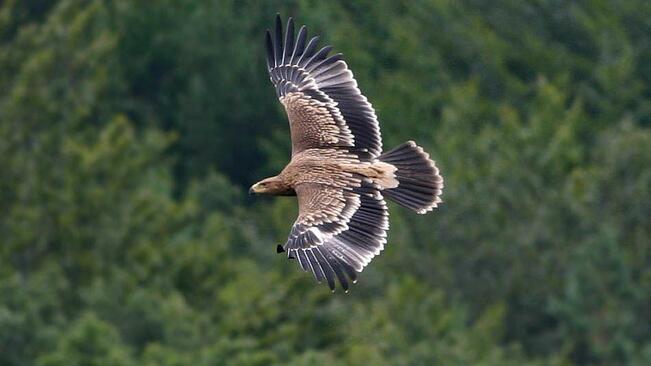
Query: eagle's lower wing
[338, 230]
[323, 103]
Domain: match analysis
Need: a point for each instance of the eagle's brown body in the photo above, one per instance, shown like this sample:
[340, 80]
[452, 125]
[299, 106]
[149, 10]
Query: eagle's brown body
[330, 167]
[338, 170]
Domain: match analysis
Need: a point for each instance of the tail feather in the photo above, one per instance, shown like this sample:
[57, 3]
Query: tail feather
[419, 183]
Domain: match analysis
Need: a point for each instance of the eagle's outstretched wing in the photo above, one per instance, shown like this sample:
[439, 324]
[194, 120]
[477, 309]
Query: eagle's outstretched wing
[323, 103]
[338, 230]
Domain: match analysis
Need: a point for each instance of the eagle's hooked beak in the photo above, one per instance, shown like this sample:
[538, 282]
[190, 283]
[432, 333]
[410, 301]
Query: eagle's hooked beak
[254, 189]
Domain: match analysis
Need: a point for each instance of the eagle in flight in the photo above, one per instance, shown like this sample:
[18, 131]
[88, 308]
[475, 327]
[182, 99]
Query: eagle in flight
[338, 171]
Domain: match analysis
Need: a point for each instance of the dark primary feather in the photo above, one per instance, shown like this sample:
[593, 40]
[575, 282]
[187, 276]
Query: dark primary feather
[278, 44]
[270, 50]
[289, 39]
[300, 44]
[308, 52]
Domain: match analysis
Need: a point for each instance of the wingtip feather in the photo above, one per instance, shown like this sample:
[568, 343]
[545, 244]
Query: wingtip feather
[289, 41]
[278, 42]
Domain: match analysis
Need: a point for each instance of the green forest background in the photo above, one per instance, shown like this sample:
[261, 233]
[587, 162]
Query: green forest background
[130, 131]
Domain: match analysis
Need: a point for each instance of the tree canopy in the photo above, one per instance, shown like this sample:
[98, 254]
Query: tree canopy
[130, 131]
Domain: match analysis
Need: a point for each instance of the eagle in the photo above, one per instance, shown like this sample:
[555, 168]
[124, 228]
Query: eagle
[338, 171]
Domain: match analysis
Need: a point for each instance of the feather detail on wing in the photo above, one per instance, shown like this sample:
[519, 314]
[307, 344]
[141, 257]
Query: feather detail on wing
[338, 230]
[324, 105]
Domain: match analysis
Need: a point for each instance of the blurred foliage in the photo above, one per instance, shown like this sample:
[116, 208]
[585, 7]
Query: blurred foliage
[129, 132]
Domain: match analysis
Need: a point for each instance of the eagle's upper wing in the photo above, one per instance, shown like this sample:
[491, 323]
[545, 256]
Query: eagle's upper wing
[324, 105]
[338, 230]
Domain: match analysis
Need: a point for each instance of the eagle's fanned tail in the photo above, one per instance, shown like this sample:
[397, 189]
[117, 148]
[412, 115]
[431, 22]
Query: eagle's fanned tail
[419, 182]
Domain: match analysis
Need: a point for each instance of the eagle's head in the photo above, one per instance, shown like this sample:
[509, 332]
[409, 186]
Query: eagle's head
[272, 186]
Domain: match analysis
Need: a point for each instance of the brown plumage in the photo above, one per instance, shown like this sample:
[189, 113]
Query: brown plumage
[338, 171]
